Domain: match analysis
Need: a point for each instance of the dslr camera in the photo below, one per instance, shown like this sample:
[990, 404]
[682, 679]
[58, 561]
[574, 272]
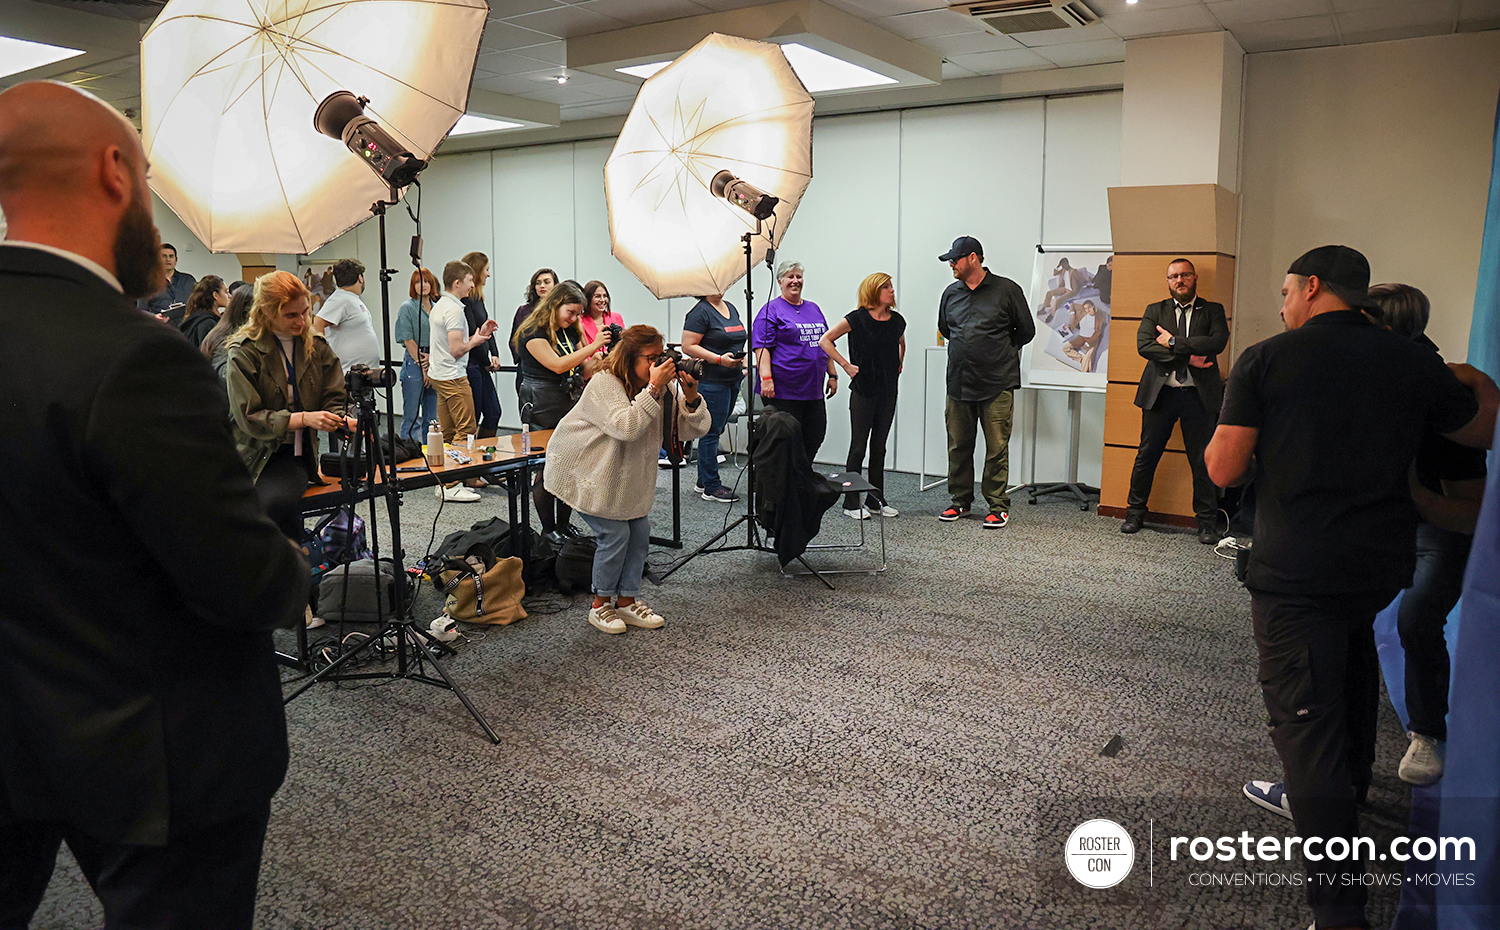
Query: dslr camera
[362, 379]
[687, 363]
[614, 330]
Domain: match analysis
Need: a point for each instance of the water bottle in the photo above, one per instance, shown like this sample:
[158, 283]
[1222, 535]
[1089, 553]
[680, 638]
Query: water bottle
[525, 438]
[434, 445]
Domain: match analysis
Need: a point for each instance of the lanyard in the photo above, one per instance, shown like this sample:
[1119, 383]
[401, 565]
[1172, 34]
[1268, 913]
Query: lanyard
[291, 373]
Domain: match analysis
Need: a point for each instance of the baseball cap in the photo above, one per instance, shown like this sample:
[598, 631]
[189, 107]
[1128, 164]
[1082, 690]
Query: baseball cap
[962, 246]
[1344, 268]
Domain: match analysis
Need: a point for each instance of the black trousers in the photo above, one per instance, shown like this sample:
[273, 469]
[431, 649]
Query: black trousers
[1320, 678]
[1174, 405]
[813, 417]
[1442, 557]
[869, 424]
[486, 400]
[280, 488]
[205, 880]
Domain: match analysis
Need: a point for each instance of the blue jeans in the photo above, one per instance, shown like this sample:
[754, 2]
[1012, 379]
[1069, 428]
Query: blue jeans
[620, 560]
[719, 396]
[415, 400]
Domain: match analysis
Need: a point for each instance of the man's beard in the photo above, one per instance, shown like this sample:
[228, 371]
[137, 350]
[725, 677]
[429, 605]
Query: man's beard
[137, 251]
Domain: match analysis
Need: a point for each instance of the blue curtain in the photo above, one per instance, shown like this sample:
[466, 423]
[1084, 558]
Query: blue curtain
[1484, 332]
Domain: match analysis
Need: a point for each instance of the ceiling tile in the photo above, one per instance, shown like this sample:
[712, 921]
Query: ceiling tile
[955, 72]
[1429, 13]
[730, 4]
[1302, 32]
[1090, 33]
[582, 112]
[1397, 32]
[891, 7]
[492, 63]
[929, 24]
[503, 36]
[568, 21]
[1019, 59]
[1231, 13]
[968, 43]
[642, 12]
[560, 94]
[1478, 9]
[575, 78]
[1084, 53]
[501, 9]
[1109, 8]
[1172, 20]
[1346, 6]
[553, 53]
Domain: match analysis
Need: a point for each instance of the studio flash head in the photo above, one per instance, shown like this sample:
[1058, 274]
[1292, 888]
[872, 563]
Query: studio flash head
[341, 116]
[744, 195]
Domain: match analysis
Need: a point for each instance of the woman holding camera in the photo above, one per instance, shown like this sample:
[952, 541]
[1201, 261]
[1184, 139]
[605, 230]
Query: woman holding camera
[284, 385]
[713, 332]
[596, 312]
[601, 461]
[552, 354]
[791, 363]
[877, 352]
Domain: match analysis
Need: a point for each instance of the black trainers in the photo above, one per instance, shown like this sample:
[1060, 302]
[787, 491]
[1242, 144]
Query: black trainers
[994, 521]
[952, 513]
[721, 495]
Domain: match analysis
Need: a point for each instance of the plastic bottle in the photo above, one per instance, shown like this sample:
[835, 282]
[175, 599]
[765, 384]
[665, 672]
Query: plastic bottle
[525, 438]
[434, 445]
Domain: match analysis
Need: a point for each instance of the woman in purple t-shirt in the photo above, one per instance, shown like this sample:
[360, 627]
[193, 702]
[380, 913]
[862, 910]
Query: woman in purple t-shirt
[792, 365]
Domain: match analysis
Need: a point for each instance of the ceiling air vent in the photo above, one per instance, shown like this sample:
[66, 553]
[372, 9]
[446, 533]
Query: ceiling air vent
[1010, 17]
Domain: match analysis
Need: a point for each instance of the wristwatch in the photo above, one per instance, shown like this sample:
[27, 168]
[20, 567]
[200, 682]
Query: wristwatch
[1172, 343]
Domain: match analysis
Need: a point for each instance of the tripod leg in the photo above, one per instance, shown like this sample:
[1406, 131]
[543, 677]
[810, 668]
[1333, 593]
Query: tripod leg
[423, 655]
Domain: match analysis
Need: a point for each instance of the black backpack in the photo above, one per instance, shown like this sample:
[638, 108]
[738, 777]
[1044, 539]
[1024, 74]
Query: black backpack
[486, 539]
[574, 568]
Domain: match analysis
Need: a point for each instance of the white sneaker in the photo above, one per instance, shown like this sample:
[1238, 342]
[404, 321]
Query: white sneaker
[639, 613]
[886, 510]
[606, 619]
[310, 621]
[458, 494]
[1423, 762]
[860, 514]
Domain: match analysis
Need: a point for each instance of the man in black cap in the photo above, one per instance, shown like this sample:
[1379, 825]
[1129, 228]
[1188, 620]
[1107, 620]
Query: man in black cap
[1329, 416]
[985, 320]
[1179, 338]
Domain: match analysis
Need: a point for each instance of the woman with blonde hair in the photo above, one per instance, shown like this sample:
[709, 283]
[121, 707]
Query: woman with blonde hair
[601, 460]
[877, 352]
[285, 385]
[552, 361]
[484, 359]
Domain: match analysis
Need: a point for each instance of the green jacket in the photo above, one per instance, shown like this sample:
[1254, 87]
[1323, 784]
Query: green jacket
[255, 378]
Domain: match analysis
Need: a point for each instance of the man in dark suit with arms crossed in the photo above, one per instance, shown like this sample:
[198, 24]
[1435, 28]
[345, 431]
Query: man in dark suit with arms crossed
[140, 705]
[1178, 338]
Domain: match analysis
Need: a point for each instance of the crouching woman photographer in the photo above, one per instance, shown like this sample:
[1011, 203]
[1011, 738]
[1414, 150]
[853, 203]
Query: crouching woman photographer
[284, 384]
[601, 460]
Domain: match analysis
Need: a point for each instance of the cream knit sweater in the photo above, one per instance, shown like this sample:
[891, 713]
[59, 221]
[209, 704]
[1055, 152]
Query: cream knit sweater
[601, 459]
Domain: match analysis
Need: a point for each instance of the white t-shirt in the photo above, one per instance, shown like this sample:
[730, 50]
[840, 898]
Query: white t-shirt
[447, 316]
[351, 330]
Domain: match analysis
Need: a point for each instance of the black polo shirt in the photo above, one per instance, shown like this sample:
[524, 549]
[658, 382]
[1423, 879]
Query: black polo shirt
[1341, 406]
[985, 328]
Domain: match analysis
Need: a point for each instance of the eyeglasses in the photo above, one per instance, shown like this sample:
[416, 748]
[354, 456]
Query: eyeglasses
[1182, 274]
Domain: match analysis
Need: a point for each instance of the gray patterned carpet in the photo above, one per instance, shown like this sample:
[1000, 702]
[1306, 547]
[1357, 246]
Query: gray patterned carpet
[907, 751]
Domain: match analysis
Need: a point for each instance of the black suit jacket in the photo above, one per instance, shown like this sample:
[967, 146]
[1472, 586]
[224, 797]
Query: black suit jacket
[1208, 335]
[139, 694]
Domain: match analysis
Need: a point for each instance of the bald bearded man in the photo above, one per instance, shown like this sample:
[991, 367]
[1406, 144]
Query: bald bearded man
[140, 705]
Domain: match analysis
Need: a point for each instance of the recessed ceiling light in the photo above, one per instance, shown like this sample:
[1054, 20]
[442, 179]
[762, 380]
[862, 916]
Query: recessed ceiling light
[820, 72]
[1131, 2]
[470, 123]
[19, 55]
[562, 79]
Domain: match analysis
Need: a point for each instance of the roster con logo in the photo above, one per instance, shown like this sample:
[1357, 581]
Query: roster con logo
[1099, 854]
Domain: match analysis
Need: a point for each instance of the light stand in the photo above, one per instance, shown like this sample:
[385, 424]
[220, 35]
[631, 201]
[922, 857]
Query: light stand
[414, 646]
[753, 541]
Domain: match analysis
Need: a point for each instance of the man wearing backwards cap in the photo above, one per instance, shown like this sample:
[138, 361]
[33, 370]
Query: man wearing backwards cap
[985, 320]
[1328, 416]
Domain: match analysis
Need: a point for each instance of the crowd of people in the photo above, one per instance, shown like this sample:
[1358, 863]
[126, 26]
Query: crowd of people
[144, 724]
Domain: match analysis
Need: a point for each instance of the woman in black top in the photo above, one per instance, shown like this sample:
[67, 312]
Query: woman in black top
[210, 296]
[542, 281]
[713, 332]
[554, 362]
[877, 351]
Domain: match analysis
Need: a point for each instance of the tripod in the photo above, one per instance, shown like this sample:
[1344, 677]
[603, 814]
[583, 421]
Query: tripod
[414, 646]
[753, 540]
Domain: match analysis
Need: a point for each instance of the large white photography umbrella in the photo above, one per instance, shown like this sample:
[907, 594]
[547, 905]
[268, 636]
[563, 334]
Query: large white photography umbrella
[228, 92]
[728, 104]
